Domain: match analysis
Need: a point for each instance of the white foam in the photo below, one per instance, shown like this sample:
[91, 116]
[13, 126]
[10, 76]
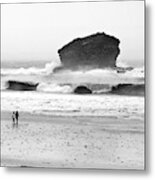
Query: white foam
[48, 69]
[100, 76]
[70, 104]
[54, 88]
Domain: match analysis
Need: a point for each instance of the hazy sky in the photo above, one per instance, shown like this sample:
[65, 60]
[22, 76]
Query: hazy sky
[36, 31]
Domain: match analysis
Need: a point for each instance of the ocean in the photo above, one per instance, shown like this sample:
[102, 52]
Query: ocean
[55, 92]
[103, 129]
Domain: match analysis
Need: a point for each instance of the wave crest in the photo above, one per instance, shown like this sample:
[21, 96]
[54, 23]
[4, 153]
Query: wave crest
[47, 70]
[54, 88]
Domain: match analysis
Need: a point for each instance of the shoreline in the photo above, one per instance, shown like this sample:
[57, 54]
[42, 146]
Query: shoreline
[72, 142]
[132, 125]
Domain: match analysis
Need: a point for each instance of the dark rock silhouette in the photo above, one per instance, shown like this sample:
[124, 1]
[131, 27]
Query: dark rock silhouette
[96, 51]
[129, 89]
[21, 86]
[124, 69]
[82, 90]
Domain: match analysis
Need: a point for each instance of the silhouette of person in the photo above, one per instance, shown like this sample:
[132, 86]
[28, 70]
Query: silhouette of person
[17, 116]
[13, 117]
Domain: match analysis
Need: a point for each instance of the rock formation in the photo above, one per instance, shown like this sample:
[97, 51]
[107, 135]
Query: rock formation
[96, 51]
[82, 90]
[129, 89]
[21, 86]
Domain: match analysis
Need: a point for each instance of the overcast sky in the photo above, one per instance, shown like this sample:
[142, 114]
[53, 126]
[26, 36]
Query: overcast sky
[33, 32]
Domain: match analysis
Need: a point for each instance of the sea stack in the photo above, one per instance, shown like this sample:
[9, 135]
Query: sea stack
[21, 86]
[82, 90]
[95, 51]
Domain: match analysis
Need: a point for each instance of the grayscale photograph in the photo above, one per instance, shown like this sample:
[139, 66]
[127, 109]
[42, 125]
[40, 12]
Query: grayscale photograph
[73, 85]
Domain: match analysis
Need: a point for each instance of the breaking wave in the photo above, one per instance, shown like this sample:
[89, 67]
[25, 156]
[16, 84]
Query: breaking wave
[54, 88]
[47, 70]
[50, 67]
[69, 88]
[120, 89]
[65, 81]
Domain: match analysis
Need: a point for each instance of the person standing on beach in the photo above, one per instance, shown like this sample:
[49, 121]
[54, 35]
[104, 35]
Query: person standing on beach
[17, 116]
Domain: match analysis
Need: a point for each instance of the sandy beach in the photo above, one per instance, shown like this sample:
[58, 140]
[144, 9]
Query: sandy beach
[72, 142]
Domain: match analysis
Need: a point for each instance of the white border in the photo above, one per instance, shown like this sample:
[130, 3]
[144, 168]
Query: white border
[40, 174]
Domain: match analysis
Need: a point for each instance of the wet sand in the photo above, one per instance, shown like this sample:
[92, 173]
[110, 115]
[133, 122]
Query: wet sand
[72, 142]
